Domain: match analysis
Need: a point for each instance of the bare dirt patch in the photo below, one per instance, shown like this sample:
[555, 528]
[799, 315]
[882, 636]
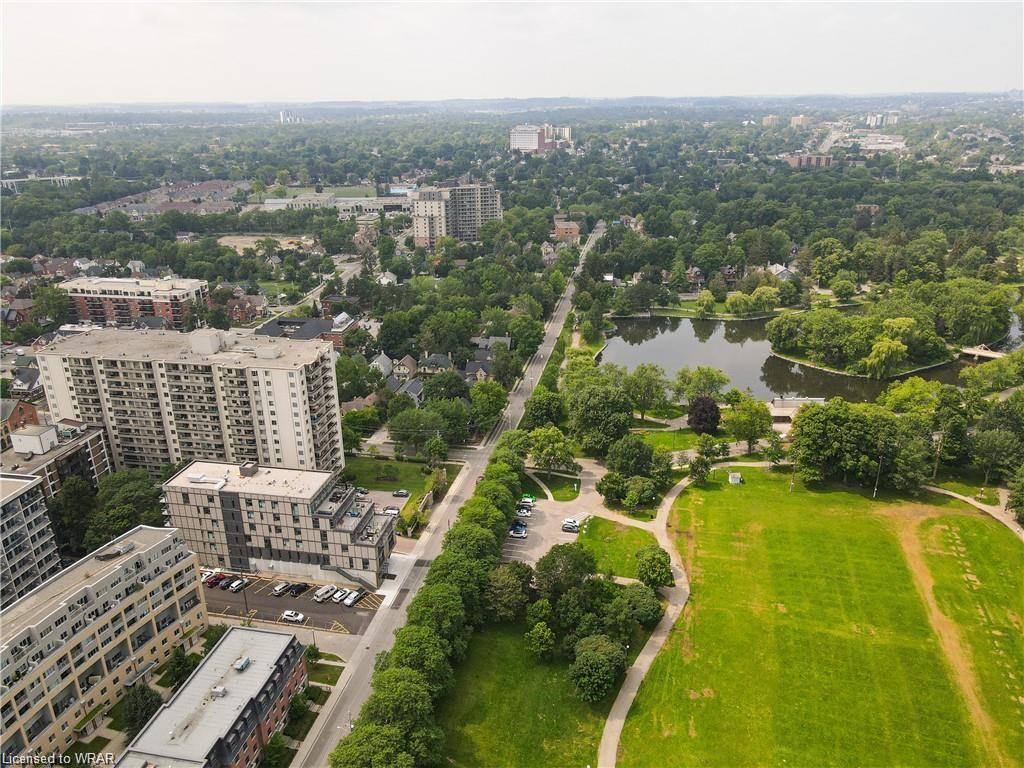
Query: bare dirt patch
[907, 518]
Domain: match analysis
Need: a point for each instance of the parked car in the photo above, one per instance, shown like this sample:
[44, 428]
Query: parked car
[341, 594]
[293, 616]
[323, 594]
[518, 530]
[216, 579]
[570, 528]
[280, 589]
[238, 585]
[297, 589]
[401, 493]
[571, 521]
[524, 512]
[528, 498]
[393, 511]
[362, 491]
[354, 597]
[227, 581]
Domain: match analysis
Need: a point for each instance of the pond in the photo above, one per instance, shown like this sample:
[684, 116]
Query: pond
[741, 349]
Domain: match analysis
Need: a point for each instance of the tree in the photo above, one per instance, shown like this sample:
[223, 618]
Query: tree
[401, 697]
[133, 488]
[140, 704]
[640, 492]
[435, 449]
[598, 665]
[313, 654]
[180, 666]
[646, 386]
[508, 590]
[564, 566]
[739, 304]
[447, 385]
[612, 486]
[717, 287]
[598, 416]
[488, 399]
[455, 416]
[373, 746]
[540, 640]
[212, 636]
[700, 468]
[1016, 501]
[473, 541]
[71, 510]
[550, 450]
[355, 377]
[109, 523]
[703, 381]
[414, 427]
[661, 466]
[993, 450]
[704, 306]
[468, 574]
[644, 606]
[418, 647]
[703, 416]
[50, 305]
[654, 567]
[543, 408]
[885, 357]
[774, 452]
[218, 318]
[298, 707]
[749, 420]
[275, 753]
[843, 289]
[630, 455]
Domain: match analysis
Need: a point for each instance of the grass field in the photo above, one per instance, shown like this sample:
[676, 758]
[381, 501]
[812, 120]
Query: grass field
[639, 423]
[508, 709]
[274, 288]
[614, 545]
[387, 475]
[807, 642]
[117, 721]
[317, 694]
[324, 674]
[297, 728]
[678, 439]
[968, 483]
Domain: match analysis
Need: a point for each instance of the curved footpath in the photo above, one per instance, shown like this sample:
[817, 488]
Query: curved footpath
[998, 512]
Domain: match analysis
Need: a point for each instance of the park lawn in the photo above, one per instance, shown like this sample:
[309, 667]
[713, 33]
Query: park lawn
[387, 475]
[683, 439]
[806, 643]
[273, 288]
[508, 709]
[324, 674]
[531, 487]
[968, 483]
[975, 562]
[614, 545]
[562, 488]
[81, 748]
[667, 411]
[639, 423]
[324, 656]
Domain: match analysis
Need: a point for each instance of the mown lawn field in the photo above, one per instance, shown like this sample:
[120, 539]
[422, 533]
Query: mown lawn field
[679, 439]
[508, 709]
[968, 483]
[806, 641]
[614, 545]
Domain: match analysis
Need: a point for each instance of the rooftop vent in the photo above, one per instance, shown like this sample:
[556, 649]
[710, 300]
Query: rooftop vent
[243, 664]
[219, 692]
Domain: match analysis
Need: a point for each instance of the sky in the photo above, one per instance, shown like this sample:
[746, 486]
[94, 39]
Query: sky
[244, 52]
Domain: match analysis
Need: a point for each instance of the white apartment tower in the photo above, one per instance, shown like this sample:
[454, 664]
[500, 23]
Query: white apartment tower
[526, 138]
[28, 555]
[166, 397]
[457, 210]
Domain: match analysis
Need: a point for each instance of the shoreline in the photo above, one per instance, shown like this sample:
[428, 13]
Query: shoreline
[838, 372]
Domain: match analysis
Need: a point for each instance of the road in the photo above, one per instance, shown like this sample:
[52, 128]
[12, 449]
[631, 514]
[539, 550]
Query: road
[354, 687]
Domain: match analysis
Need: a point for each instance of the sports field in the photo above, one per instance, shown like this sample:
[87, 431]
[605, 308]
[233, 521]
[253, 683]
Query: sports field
[810, 639]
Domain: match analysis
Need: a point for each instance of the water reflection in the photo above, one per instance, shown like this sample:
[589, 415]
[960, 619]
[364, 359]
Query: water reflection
[742, 351]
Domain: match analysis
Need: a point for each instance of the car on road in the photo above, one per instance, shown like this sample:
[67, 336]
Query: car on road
[280, 589]
[293, 616]
[297, 589]
[401, 493]
[340, 595]
[518, 530]
[392, 510]
[354, 597]
[324, 593]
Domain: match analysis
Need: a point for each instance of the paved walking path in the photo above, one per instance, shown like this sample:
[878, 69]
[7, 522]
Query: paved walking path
[543, 486]
[998, 511]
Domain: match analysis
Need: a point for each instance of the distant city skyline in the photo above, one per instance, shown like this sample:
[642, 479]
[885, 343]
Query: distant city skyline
[239, 52]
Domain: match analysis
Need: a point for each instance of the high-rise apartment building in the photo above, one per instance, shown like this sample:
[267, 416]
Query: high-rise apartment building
[555, 133]
[455, 210]
[28, 551]
[72, 646]
[526, 138]
[122, 301]
[56, 452]
[226, 712]
[799, 121]
[294, 522]
[166, 397]
[770, 121]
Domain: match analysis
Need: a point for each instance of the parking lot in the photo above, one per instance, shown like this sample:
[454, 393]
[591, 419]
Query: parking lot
[257, 601]
[544, 530]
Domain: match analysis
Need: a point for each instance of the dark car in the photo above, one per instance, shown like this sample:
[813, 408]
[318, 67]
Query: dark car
[297, 589]
[226, 582]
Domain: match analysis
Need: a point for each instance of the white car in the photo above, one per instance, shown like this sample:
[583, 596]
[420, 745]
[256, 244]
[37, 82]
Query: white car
[340, 595]
[393, 511]
[524, 512]
[354, 597]
[323, 594]
[280, 589]
[571, 521]
[293, 616]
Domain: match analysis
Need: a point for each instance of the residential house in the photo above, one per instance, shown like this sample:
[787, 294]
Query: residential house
[548, 254]
[730, 274]
[414, 389]
[383, 364]
[405, 369]
[566, 231]
[477, 371]
[387, 278]
[26, 383]
[435, 363]
[782, 271]
[246, 308]
[15, 414]
[16, 311]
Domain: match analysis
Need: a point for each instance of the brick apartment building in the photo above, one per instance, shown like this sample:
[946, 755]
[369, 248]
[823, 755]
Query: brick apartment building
[122, 301]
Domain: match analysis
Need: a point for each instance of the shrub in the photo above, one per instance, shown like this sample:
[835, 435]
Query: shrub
[599, 663]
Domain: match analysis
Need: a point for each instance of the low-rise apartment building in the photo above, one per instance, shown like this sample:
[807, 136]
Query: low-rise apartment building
[74, 644]
[301, 523]
[55, 452]
[166, 397]
[225, 713]
[122, 301]
[28, 550]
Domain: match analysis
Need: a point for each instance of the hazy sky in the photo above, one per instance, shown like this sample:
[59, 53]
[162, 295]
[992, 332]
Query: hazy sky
[85, 52]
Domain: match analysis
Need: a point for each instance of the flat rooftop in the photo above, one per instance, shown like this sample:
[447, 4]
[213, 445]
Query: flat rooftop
[187, 727]
[12, 485]
[94, 567]
[209, 476]
[129, 283]
[12, 461]
[232, 348]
